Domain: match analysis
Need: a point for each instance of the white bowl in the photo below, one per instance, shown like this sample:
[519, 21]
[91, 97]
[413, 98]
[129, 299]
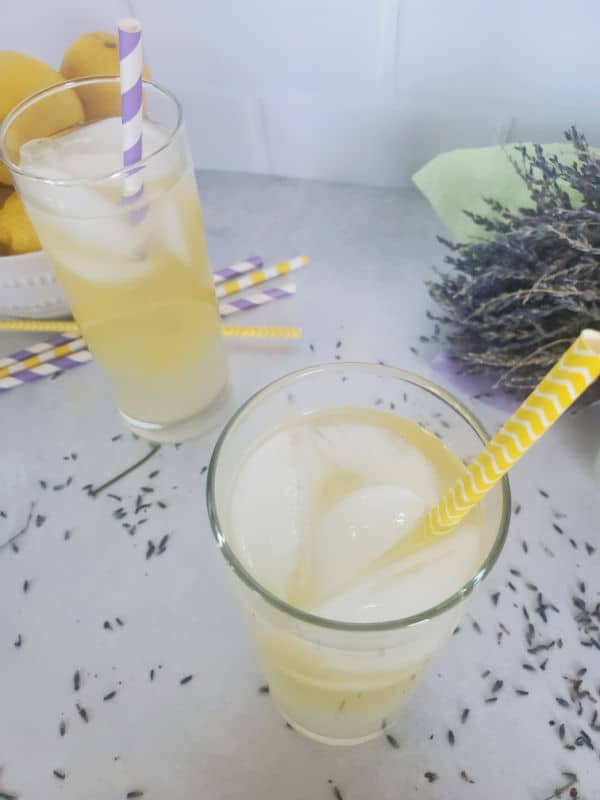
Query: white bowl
[28, 288]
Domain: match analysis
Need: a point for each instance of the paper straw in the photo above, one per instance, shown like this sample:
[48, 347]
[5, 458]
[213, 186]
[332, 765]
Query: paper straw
[576, 370]
[567, 380]
[60, 359]
[256, 300]
[225, 309]
[232, 331]
[226, 274]
[37, 326]
[45, 370]
[254, 332]
[248, 331]
[63, 326]
[130, 71]
[219, 276]
[83, 356]
[261, 276]
[37, 348]
[40, 358]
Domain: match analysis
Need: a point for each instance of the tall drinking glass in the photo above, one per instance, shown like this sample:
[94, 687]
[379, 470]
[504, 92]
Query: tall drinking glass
[345, 682]
[137, 274]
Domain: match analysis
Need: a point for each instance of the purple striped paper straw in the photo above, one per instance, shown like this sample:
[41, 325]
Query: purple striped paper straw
[45, 370]
[257, 299]
[36, 349]
[227, 273]
[130, 70]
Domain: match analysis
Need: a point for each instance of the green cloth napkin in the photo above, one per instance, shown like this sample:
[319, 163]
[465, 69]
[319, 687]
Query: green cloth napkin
[460, 179]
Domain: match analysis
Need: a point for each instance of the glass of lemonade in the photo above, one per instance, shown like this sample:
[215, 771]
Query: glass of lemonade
[137, 275]
[310, 484]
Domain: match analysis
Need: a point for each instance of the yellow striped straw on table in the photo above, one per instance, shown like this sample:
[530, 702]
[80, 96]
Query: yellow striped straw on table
[234, 331]
[59, 351]
[260, 332]
[567, 380]
[53, 360]
[260, 276]
[70, 354]
[42, 325]
[224, 290]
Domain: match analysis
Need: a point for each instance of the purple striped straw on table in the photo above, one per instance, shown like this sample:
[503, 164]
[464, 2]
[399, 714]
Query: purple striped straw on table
[45, 370]
[130, 71]
[37, 348]
[228, 273]
[257, 299]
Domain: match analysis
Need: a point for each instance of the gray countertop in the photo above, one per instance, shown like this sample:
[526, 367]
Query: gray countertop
[216, 736]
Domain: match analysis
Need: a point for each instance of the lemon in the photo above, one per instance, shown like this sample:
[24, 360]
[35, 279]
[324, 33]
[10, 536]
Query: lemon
[20, 77]
[16, 231]
[5, 192]
[96, 54]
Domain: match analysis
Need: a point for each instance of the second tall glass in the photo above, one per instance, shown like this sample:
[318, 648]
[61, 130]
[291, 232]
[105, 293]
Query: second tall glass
[344, 682]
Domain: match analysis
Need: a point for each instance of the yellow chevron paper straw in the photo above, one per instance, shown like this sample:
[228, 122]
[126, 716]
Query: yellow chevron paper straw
[247, 303]
[43, 325]
[577, 369]
[40, 358]
[567, 380]
[71, 354]
[233, 331]
[254, 332]
[260, 276]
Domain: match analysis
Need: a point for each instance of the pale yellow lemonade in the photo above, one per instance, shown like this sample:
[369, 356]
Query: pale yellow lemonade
[140, 288]
[315, 503]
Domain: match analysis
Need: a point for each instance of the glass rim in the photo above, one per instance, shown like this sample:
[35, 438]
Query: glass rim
[313, 619]
[74, 84]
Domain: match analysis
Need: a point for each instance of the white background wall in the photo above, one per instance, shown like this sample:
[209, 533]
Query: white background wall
[352, 90]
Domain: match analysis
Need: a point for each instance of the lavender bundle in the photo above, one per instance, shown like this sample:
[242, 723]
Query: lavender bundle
[514, 302]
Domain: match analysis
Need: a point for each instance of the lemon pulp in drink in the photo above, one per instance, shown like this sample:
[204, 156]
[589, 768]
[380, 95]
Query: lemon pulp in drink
[315, 504]
[137, 279]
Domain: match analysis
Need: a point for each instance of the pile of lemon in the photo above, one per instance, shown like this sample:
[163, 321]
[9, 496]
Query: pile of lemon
[21, 76]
